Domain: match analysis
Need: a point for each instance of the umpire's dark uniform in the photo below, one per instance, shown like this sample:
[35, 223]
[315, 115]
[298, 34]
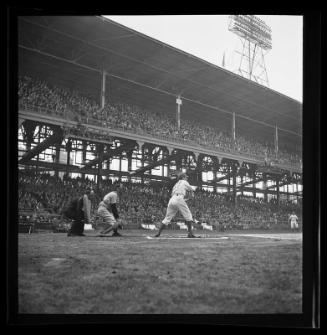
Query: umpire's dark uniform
[77, 227]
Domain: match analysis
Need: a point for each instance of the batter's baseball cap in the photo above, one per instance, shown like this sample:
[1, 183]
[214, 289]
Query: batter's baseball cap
[182, 175]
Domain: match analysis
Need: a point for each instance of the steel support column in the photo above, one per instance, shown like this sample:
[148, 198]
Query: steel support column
[129, 163]
[276, 141]
[234, 172]
[178, 116]
[215, 170]
[68, 151]
[254, 184]
[199, 171]
[103, 89]
[277, 190]
[58, 145]
[120, 156]
[84, 145]
[265, 191]
[233, 127]
[142, 162]
[100, 148]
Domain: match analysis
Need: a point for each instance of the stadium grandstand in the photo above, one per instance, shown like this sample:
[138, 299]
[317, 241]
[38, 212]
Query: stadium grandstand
[99, 102]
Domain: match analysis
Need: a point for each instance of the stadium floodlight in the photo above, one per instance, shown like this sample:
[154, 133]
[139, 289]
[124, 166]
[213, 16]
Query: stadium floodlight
[251, 28]
[255, 37]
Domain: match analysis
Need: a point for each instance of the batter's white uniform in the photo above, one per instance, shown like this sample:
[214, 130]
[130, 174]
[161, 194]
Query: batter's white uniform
[294, 221]
[104, 210]
[177, 202]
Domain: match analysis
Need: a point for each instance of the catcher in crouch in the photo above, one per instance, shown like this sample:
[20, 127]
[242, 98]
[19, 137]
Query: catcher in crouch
[177, 203]
[108, 211]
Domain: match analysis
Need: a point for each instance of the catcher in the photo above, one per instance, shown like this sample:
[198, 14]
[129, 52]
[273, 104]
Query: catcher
[108, 211]
[182, 191]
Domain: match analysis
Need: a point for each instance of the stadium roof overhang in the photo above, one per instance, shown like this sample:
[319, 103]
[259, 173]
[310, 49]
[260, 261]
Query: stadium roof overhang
[73, 51]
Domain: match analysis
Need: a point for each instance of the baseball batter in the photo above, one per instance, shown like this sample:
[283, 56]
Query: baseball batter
[294, 221]
[177, 203]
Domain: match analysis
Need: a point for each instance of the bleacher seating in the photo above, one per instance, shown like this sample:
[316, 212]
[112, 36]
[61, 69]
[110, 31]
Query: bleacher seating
[146, 204]
[40, 96]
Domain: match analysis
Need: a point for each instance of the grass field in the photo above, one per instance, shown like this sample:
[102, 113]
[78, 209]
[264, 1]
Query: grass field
[240, 273]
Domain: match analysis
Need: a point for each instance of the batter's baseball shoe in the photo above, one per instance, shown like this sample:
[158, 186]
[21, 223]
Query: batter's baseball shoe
[190, 235]
[116, 234]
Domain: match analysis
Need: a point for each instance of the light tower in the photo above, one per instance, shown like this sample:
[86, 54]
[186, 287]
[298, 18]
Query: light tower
[255, 38]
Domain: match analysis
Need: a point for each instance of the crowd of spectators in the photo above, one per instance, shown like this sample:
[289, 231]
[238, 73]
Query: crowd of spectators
[36, 94]
[147, 203]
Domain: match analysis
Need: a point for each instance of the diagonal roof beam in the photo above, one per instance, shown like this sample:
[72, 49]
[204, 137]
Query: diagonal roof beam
[228, 175]
[281, 184]
[154, 164]
[54, 138]
[107, 155]
[254, 181]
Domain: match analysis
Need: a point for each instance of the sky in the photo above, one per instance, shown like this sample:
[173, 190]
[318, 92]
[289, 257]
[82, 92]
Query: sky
[208, 37]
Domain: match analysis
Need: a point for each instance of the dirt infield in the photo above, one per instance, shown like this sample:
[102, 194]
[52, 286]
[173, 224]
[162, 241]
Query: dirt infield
[218, 274]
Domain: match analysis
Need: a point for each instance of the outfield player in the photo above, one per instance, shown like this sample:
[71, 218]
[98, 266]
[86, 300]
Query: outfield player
[177, 203]
[108, 211]
[294, 221]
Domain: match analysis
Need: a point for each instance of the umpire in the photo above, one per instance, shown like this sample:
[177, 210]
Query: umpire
[82, 214]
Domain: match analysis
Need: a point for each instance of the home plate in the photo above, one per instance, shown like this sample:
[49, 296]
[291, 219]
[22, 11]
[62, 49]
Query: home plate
[186, 238]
